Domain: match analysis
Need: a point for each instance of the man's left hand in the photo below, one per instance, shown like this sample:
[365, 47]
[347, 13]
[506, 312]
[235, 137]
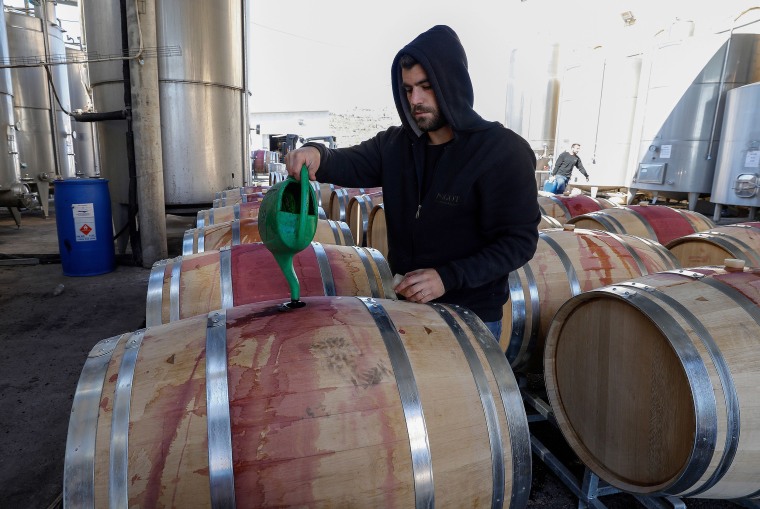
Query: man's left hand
[421, 285]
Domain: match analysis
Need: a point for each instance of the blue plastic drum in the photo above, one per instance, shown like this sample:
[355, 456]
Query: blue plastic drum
[85, 230]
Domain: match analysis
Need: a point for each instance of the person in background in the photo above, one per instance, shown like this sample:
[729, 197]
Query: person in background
[563, 167]
[460, 197]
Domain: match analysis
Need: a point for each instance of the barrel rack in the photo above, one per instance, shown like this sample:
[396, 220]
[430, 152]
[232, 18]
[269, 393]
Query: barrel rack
[590, 487]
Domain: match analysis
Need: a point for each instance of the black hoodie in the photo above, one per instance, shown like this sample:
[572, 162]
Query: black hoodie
[479, 220]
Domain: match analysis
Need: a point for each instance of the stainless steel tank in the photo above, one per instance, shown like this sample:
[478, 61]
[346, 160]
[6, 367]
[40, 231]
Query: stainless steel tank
[13, 193]
[201, 96]
[83, 133]
[533, 89]
[201, 91]
[737, 172]
[33, 98]
[597, 105]
[683, 110]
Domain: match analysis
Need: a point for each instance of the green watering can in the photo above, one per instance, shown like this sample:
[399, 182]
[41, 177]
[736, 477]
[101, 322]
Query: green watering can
[287, 223]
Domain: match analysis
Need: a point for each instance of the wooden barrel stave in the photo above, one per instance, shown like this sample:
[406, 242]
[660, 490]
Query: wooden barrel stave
[682, 366]
[358, 212]
[711, 247]
[312, 403]
[563, 208]
[655, 222]
[377, 233]
[198, 283]
[567, 263]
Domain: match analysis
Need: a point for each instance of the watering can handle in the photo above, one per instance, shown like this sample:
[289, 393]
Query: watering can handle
[304, 202]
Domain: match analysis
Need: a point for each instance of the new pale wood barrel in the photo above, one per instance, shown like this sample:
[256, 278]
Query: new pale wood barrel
[377, 233]
[190, 285]
[227, 201]
[655, 222]
[357, 216]
[563, 208]
[567, 263]
[238, 191]
[346, 402]
[246, 231]
[340, 197]
[218, 215]
[654, 382]
[711, 247]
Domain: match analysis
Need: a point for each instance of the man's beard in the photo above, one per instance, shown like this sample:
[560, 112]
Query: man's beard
[432, 123]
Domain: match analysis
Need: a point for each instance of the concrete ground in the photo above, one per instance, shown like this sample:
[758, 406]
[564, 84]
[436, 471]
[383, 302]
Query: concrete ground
[49, 323]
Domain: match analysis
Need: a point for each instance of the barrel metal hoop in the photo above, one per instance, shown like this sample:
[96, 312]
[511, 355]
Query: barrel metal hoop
[118, 480]
[347, 235]
[610, 222]
[729, 390]
[334, 228]
[384, 270]
[236, 232]
[486, 400]
[665, 254]
[211, 216]
[646, 224]
[373, 288]
[561, 205]
[366, 205]
[188, 240]
[200, 219]
[221, 475]
[522, 349]
[154, 302]
[684, 272]
[517, 298]
[79, 463]
[174, 289]
[748, 253]
[636, 258]
[567, 263]
[236, 211]
[328, 280]
[422, 463]
[705, 409]
[201, 240]
[517, 422]
[225, 277]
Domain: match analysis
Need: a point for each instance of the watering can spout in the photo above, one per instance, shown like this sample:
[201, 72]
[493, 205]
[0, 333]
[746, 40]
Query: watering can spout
[287, 223]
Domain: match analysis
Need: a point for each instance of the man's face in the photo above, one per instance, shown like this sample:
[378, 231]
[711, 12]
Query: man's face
[421, 97]
[574, 149]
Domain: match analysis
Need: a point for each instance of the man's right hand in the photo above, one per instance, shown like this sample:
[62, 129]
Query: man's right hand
[295, 159]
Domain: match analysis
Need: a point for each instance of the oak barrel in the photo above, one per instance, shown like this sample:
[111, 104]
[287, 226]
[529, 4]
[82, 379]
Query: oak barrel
[566, 263]
[711, 247]
[248, 210]
[563, 208]
[653, 382]
[198, 283]
[357, 216]
[261, 158]
[548, 222]
[346, 402]
[339, 198]
[377, 233]
[655, 222]
[246, 231]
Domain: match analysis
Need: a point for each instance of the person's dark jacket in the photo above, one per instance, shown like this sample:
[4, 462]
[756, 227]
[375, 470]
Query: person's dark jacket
[565, 163]
[479, 220]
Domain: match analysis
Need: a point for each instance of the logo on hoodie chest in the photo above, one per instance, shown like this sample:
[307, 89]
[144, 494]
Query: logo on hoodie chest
[451, 200]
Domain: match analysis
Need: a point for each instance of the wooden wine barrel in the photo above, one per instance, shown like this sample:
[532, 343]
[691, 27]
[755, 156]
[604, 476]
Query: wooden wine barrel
[227, 201]
[249, 210]
[563, 208]
[654, 381]
[548, 222]
[357, 216]
[655, 222]
[246, 231]
[566, 263]
[190, 285]
[346, 402]
[377, 234]
[263, 157]
[238, 191]
[339, 198]
[711, 247]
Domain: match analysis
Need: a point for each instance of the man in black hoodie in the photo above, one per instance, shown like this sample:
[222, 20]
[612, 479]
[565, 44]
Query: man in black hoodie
[461, 206]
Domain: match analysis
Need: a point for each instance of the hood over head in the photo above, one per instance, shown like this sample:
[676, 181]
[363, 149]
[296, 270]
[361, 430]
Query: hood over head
[442, 55]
